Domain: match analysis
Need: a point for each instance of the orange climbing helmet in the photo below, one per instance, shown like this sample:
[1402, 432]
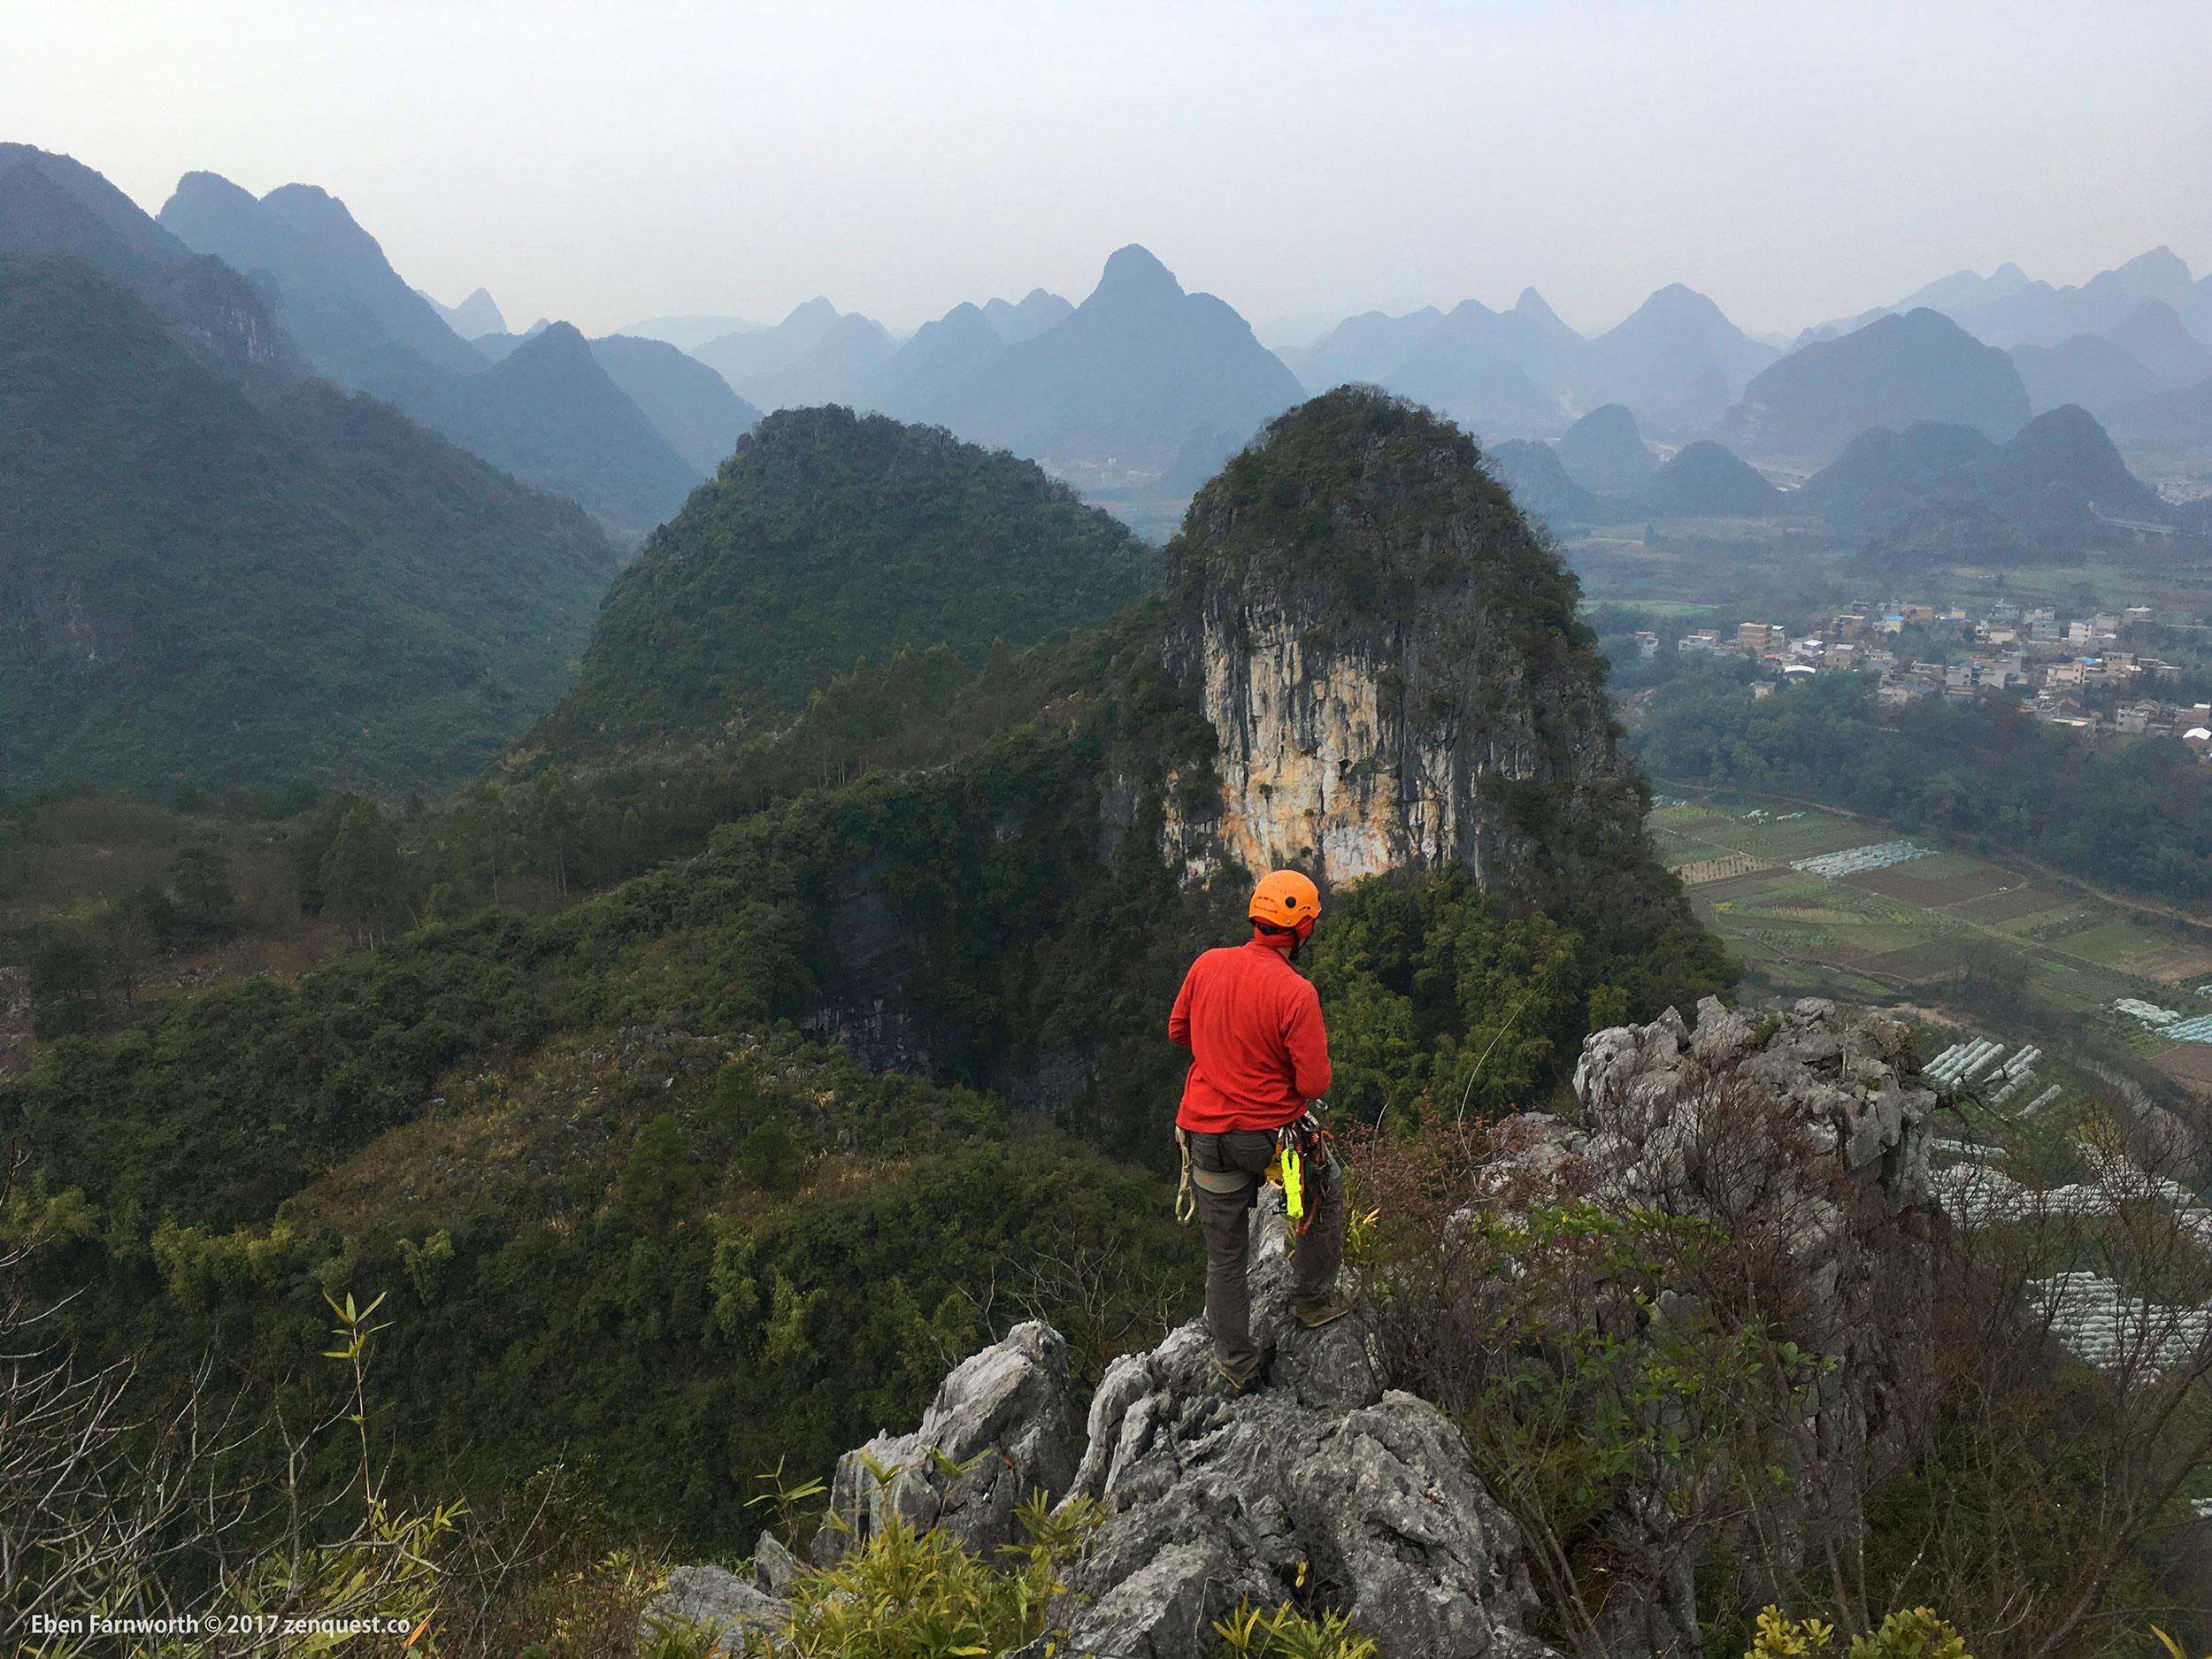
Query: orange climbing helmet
[1287, 900]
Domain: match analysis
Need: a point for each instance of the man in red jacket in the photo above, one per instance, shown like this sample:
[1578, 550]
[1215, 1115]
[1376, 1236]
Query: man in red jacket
[1259, 1055]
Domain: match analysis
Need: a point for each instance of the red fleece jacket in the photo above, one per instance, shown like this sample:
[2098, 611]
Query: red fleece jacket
[1258, 1049]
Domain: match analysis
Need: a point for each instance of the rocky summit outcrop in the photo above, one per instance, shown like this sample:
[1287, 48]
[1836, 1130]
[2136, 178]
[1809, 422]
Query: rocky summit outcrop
[1213, 1498]
[1391, 662]
[995, 1435]
[1216, 1500]
[1647, 1093]
[718, 1597]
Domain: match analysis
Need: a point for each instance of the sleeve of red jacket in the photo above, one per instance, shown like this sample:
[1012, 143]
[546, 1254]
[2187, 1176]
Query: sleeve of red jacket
[1308, 1041]
[1179, 1017]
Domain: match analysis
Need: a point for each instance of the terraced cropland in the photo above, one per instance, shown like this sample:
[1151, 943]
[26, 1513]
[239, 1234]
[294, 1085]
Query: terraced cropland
[1816, 903]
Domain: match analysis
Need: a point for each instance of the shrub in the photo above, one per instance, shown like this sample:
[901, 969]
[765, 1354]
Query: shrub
[1287, 1634]
[1916, 1633]
[923, 1596]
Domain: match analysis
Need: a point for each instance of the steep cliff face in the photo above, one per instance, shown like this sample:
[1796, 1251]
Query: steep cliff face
[1390, 662]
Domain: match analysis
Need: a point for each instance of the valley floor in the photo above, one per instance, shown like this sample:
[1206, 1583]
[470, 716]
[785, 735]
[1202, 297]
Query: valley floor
[1941, 928]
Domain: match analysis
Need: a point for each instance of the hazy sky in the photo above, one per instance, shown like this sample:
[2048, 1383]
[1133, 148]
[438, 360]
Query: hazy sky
[606, 162]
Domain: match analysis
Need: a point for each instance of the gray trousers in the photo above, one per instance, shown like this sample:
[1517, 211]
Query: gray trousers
[1226, 1219]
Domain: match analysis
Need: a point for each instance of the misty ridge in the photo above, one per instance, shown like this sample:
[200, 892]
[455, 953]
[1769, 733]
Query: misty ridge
[1137, 393]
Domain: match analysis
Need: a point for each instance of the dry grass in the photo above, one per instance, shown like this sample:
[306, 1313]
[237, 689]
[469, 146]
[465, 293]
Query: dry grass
[95, 847]
[2169, 965]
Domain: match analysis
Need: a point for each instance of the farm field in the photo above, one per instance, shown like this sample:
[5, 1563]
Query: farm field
[1928, 927]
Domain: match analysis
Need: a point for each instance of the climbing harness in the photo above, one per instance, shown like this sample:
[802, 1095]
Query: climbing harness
[1294, 1149]
[1212, 1180]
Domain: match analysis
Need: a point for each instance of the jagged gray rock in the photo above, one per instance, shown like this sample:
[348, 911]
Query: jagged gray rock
[1217, 1498]
[1647, 1091]
[1801, 1128]
[996, 1433]
[717, 1596]
[775, 1567]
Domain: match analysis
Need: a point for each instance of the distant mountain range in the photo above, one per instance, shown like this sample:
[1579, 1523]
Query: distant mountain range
[1676, 361]
[688, 334]
[1037, 312]
[1700, 480]
[540, 406]
[692, 406]
[54, 204]
[1141, 377]
[1604, 451]
[352, 313]
[745, 355]
[552, 416]
[1895, 371]
[1128, 376]
[2041, 496]
[2133, 346]
[1939, 490]
[473, 317]
[2169, 420]
[2121, 345]
[1932, 490]
[1706, 481]
[1531, 469]
[2007, 308]
[1142, 388]
[2099, 374]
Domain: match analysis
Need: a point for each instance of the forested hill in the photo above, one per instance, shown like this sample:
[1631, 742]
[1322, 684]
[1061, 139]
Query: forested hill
[195, 585]
[826, 537]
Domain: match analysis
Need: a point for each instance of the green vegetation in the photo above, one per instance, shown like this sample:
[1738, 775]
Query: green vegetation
[2138, 818]
[598, 1176]
[197, 584]
[909, 1595]
[1433, 994]
[1286, 1632]
[1915, 1633]
[826, 537]
[1371, 527]
[682, 1117]
[1594, 1351]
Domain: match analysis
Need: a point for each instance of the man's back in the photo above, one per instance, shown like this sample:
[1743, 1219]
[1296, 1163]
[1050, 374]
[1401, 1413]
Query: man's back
[1258, 1049]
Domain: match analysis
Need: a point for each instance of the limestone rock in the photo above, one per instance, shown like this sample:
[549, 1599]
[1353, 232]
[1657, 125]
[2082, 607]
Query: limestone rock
[1379, 637]
[996, 1432]
[717, 1596]
[1217, 1498]
[1647, 1092]
[1802, 1131]
[775, 1567]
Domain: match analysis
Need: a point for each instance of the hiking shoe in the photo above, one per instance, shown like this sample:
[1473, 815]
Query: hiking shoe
[1314, 1318]
[1241, 1382]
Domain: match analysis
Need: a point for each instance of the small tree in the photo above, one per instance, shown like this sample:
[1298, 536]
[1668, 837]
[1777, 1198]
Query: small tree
[199, 875]
[65, 979]
[362, 871]
[662, 1173]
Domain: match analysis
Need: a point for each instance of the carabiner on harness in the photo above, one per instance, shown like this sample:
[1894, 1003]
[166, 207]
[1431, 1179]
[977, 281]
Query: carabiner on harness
[1304, 1147]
